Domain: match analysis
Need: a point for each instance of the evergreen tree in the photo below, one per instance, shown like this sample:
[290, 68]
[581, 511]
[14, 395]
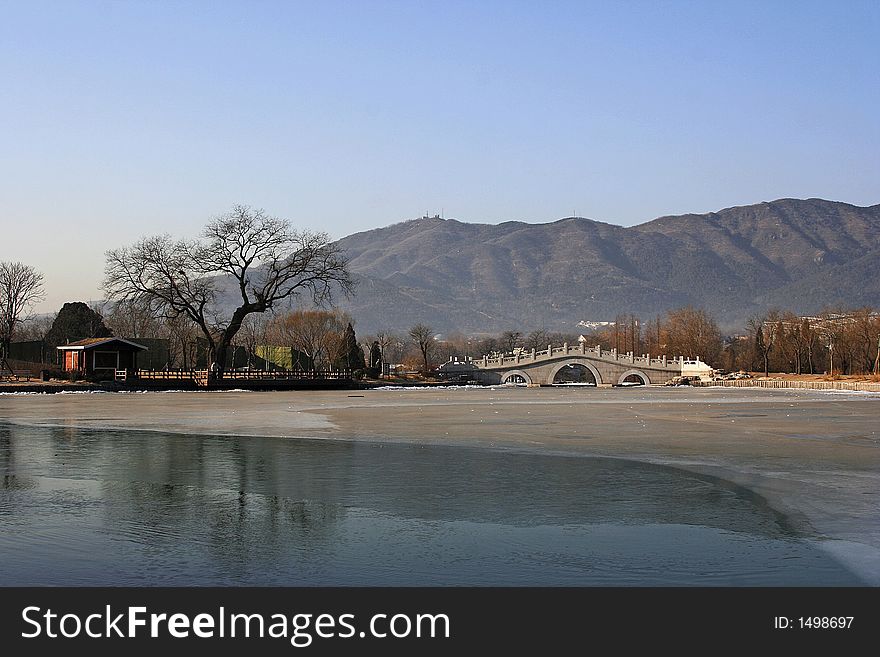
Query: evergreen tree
[76, 321]
[351, 356]
[759, 350]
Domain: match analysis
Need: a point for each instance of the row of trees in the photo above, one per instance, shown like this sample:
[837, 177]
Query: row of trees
[325, 337]
[685, 331]
[847, 342]
[835, 341]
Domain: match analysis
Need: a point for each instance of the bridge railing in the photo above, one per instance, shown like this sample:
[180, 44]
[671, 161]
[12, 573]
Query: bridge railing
[531, 356]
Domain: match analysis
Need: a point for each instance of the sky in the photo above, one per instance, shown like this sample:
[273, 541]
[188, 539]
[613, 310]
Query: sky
[125, 119]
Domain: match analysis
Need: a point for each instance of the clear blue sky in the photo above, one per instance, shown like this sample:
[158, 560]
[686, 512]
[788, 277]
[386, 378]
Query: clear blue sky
[121, 119]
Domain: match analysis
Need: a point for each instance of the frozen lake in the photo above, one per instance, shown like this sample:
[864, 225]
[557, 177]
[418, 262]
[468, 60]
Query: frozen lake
[489, 487]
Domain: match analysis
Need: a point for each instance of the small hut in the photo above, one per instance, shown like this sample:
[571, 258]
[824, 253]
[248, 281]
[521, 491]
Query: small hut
[100, 355]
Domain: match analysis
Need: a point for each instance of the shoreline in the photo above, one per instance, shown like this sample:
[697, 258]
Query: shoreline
[56, 387]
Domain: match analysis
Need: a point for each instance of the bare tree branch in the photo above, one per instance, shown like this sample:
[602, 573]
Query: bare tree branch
[21, 287]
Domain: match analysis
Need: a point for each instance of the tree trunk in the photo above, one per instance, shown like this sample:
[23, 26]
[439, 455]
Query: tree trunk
[222, 347]
[219, 353]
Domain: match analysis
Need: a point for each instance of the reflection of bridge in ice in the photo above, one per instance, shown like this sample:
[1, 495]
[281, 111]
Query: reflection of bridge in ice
[590, 364]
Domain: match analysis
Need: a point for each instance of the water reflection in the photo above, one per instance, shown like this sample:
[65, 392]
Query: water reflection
[147, 508]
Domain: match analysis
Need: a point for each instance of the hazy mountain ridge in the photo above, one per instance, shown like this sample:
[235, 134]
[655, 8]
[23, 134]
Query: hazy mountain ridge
[803, 254]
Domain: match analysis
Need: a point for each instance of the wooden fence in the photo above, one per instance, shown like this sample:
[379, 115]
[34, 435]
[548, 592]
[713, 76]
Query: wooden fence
[863, 386]
[203, 377]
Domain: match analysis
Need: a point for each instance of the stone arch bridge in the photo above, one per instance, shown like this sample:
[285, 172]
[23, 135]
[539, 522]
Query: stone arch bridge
[606, 367]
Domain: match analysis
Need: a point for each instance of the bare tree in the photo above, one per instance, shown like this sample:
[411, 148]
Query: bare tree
[267, 261]
[316, 333]
[831, 334]
[21, 287]
[385, 340]
[253, 332]
[132, 319]
[619, 322]
[876, 369]
[654, 343]
[793, 341]
[486, 346]
[392, 346]
[692, 332]
[635, 334]
[35, 327]
[511, 340]
[764, 330]
[866, 329]
[423, 337]
[810, 339]
[370, 347]
[183, 348]
[537, 340]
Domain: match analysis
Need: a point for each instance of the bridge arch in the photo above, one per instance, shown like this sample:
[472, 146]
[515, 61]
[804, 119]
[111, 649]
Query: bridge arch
[574, 361]
[512, 373]
[638, 373]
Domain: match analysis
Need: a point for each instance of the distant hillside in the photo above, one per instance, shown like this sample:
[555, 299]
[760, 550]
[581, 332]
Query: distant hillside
[798, 254]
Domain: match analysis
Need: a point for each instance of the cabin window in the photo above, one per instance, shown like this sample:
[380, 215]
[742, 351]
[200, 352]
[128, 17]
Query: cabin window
[106, 360]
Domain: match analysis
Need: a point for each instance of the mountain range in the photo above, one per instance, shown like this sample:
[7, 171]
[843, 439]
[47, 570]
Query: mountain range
[801, 255]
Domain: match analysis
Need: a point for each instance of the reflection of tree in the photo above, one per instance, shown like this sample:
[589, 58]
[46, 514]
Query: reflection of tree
[220, 506]
[235, 532]
[11, 480]
[6, 462]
